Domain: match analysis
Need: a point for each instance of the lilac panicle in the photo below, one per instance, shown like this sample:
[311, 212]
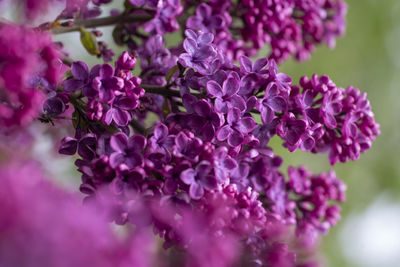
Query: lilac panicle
[182, 148]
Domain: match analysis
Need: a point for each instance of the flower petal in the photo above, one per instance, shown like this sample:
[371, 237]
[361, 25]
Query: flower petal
[196, 191]
[119, 142]
[187, 176]
[80, 70]
[214, 89]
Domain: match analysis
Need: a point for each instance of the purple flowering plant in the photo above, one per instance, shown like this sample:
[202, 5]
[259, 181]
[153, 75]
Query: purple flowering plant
[202, 175]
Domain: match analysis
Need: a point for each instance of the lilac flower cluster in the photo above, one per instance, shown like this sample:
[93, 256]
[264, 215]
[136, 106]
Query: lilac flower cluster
[317, 117]
[29, 64]
[49, 232]
[34, 9]
[182, 148]
[111, 94]
[292, 27]
[47, 239]
[289, 27]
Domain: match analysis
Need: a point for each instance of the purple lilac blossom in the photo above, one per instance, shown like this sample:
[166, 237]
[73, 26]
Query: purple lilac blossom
[56, 224]
[206, 152]
[23, 49]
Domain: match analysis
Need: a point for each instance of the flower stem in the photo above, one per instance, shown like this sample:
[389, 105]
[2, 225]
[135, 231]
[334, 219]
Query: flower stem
[165, 91]
[99, 22]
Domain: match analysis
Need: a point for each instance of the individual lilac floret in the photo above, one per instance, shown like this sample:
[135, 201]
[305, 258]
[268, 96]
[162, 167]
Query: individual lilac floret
[187, 146]
[82, 79]
[271, 103]
[56, 103]
[120, 111]
[199, 179]
[165, 19]
[161, 141]
[236, 129]
[156, 60]
[86, 146]
[291, 130]
[205, 119]
[199, 52]
[205, 20]
[106, 83]
[226, 96]
[127, 150]
[125, 62]
[259, 66]
[224, 164]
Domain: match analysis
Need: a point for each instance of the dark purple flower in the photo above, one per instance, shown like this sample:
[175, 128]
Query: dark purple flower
[161, 141]
[259, 66]
[205, 119]
[271, 103]
[224, 164]
[205, 20]
[82, 79]
[236, 128]
[291, 130]
[330, 107]
[226, 96]
[106, 83]
[86, 146]
[54, 105]
[125, 62]
[199, 52]
[120, 111]
[94, 110]
[199, 179]
[127, 150]
[187, 146]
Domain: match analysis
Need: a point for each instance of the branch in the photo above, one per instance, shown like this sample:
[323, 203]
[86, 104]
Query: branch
[99, 22]
[165, 91]
[138, 127]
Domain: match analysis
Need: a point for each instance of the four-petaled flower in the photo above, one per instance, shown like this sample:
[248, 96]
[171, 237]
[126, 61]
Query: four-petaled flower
[199, 179]
[127, 150]
[236, 129]
[226, 97]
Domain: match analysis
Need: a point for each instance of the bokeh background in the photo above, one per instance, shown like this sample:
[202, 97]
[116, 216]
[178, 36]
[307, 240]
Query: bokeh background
[367, 57]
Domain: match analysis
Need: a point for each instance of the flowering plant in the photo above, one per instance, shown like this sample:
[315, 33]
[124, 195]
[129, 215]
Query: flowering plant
[181, 147]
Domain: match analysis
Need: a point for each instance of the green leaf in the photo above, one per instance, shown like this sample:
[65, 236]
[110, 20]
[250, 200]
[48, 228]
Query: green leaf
[171, 73]
[88, 40]
[166, 108]
[75, 120]
[117, 36]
